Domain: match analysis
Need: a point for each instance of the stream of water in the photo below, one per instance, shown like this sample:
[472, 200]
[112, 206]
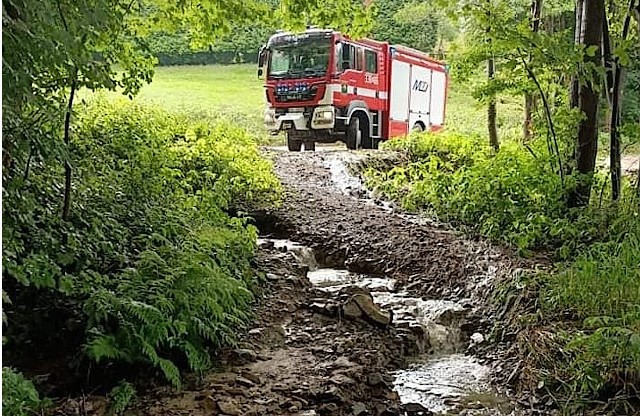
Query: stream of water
[444, 380]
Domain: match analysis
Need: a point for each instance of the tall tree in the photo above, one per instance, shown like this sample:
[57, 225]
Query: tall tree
[588, 97]
[491, 72]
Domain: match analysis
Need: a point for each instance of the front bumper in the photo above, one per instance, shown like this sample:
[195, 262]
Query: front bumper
[318, 118]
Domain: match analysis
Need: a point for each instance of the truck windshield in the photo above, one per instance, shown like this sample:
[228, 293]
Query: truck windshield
[303, 59]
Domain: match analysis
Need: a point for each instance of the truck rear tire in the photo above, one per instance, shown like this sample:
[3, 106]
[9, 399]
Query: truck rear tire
[354, 134]
[309, 146]
[293, 144]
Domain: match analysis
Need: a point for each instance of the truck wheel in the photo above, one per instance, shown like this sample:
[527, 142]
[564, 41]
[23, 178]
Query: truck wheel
[354, 134]
[293, 144]
[368, 142]
[309, 146]
[417, 128]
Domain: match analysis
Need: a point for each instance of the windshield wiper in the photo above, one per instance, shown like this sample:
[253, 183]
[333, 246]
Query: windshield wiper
[295, 73]
[314, 72]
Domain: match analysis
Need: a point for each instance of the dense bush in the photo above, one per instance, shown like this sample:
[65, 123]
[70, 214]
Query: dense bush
[511, 196]
[150, 262]
[19, 396]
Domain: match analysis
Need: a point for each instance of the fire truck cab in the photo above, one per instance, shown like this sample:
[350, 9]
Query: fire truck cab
[321, 86]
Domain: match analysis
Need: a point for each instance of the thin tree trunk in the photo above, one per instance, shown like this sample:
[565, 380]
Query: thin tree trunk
[529, 100]
[616, 108]
[67, 166]
[577, 38]
[636, 11]
[491, 109]
[588, 104]
[491, 70]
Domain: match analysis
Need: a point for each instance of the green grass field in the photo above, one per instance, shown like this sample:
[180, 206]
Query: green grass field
[235, 92]
[216, 88]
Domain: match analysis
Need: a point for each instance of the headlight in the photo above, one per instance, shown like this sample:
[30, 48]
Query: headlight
[269, 118]
[325, 115]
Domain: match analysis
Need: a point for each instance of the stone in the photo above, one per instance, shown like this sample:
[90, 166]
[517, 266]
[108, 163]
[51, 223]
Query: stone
[341, 379]
[246, 354]
[477, 338]
[229, 407]
[251, 376]
[245, 382]
[359, 409]
[374, 379]
[416, 408]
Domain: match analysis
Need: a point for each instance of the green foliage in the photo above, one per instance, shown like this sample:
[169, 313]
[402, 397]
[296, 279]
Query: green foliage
[601, 291]
[513, 196]
[120, 396]
[19, 396]
[150, 259]
[413, 24]
[349, 16]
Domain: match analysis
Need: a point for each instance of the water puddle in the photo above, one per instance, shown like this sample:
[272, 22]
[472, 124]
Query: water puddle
[333, 280]
[343, 179]
[443, 380]
[449, 383]
[302, 254]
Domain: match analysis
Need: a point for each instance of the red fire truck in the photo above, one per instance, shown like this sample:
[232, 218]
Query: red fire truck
[322, 86]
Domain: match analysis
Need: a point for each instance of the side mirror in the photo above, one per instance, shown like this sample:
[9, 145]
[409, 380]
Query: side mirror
[262, 54]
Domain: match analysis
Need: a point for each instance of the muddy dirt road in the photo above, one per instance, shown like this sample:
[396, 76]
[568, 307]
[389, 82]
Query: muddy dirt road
[366, 310]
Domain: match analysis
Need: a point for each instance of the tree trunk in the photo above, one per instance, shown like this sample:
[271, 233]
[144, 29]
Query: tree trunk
[636, 11]
[588, 104]
[491, 70]
[578, 36]
[616, 108]
[67, 166]
[491, 110]
[529, 100]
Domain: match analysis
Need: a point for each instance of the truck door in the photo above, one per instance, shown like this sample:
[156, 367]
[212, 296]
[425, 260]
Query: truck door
[420, 97]
[399, 98]
[438, 97]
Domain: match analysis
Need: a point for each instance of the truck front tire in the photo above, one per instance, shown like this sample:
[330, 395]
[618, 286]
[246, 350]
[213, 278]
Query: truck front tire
[354, 134]
[293, 144]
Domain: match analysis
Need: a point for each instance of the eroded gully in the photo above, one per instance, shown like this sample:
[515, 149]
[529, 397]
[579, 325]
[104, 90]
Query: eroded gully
[426, 278]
